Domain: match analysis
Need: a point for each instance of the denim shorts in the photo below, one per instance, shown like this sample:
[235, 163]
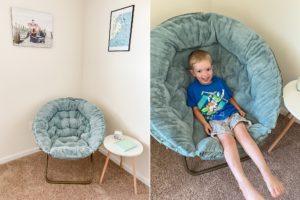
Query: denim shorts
[227, 125]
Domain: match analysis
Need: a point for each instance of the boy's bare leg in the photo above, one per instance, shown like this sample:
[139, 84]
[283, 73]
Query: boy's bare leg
[233, 159]
[242, 135]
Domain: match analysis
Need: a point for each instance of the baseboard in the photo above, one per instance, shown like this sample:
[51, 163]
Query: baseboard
[116, 159]
[18, 155]
[284, 111]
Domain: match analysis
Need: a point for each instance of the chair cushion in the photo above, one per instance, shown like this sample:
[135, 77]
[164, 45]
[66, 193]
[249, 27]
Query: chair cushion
[69, 128]
[241, 57]
[72, 146]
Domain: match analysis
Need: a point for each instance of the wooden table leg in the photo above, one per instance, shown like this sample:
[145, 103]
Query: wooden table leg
[104, 168]
[292, 120]
[134, 176]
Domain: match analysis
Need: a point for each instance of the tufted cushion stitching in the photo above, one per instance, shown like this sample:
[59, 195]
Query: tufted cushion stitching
[69, 133]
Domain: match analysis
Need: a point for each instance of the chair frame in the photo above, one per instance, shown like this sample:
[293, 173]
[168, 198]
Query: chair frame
[209, 169]
[52, 181]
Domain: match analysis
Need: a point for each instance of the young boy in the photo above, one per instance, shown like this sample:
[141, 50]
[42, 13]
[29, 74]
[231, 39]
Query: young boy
[221, 117]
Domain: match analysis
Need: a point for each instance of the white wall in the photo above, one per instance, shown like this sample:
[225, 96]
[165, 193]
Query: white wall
[119, 82]
[163, 10]
[29, 77]
[276, 21]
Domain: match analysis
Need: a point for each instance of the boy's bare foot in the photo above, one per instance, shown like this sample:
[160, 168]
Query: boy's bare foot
[275, 187]
[249, 191]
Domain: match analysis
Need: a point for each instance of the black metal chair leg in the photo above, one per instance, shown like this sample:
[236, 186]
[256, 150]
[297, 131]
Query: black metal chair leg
[210, 169]
[88, 181]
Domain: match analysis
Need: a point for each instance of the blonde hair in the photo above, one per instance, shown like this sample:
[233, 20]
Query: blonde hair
[198, 56]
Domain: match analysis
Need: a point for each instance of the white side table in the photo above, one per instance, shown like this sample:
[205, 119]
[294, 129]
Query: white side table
[110, 145]
[291, 98]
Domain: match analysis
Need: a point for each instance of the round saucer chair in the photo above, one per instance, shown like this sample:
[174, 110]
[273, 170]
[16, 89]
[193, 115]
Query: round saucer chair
[241, 57]
[69, 129]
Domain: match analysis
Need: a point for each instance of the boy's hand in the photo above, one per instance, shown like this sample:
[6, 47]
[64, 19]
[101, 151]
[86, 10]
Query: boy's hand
[235, 104]
[207, 129]
[242, 113]
[202, 120]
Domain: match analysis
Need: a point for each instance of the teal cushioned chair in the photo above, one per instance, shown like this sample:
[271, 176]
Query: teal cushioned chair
[69, 129]
[241, 57]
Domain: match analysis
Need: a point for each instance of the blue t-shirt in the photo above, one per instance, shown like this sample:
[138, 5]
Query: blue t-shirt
[212, 99]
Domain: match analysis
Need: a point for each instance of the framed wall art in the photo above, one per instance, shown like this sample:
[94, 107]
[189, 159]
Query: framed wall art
[31, 28]
[120, 29]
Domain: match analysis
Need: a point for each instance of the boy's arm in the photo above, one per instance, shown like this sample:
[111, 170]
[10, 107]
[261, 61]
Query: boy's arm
[236, 105]
[202, 120]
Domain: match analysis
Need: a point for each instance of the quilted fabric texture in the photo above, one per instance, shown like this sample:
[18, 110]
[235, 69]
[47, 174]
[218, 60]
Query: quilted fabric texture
[241, 57]
[69, 128]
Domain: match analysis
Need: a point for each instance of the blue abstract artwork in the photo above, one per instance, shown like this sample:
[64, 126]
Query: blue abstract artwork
[120, 29]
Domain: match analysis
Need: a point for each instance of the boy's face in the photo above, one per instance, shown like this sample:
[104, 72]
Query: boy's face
[203, 72]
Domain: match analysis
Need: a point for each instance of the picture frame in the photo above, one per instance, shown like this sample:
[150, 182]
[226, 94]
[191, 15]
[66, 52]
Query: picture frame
[120, 29]
[31, 28]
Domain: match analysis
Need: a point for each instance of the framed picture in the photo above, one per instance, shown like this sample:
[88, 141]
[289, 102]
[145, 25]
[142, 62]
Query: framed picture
[120, 29]
[31, 28]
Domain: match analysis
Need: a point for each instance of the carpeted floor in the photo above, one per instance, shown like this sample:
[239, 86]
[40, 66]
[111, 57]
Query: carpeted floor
[169, 180]
[24, 179]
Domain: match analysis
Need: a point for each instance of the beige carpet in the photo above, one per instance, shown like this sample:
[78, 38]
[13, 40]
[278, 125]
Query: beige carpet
[169, 180]
[24, 179]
